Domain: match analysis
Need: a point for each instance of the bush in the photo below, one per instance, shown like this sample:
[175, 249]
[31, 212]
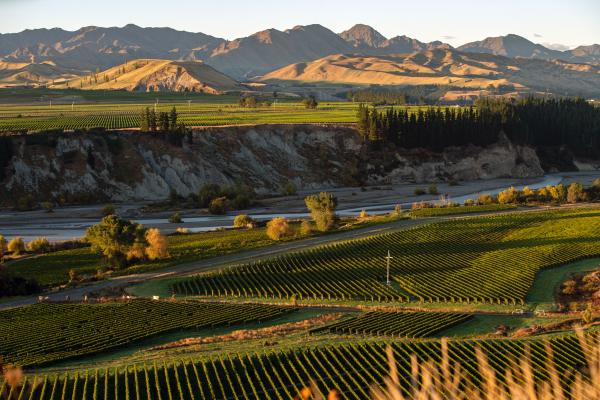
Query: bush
[278, 228]
[48, 206]
[2, 247]
[310, 102]
[218, 206]
[485, 199]
[432, 189]
[175, 218]
[419, 192]
[208, 193]
[398, 209]
[73, 275]
[289, 189]
[363, 214]
[25, 203]
[306, 228]
[182, 231]
[243, 221]
[39, 245]
[322, 210]
[15, 285]
[157, 244]
[569, 287]
[508, 196]
[469, 203]
[575, 193]
[107, 210]
[16, 246]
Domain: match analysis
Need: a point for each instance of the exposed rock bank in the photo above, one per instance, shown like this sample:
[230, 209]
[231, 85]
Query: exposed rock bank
[122, 166]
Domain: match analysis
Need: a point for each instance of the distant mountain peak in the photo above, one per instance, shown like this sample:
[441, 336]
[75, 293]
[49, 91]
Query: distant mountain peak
[363, 35]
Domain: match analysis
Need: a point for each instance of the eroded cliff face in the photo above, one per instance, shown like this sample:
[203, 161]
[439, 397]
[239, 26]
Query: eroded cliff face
[123, 166]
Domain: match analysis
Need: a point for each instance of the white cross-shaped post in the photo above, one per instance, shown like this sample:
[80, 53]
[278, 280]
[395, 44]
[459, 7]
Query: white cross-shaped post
[388, 258]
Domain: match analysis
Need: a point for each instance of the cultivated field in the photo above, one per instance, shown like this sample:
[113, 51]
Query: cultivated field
[44, 333]
[351, 369]
[492, 259]
[396, 324]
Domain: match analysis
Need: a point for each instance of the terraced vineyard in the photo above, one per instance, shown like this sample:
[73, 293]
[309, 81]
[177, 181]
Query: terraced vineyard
[43, 333]
[490, 259]
[396, 324]
[351, 369]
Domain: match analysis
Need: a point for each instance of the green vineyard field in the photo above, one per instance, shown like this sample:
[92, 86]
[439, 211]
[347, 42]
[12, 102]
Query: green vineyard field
[43, 333]
[488, 259]
[395, 324]
[438, 212]
[127, 115]
[351, 369]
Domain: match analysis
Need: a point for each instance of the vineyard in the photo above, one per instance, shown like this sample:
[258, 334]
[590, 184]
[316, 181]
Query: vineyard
[43, 333]
[352, 369]
[439, 212]
[123, 116]
[396, 324]
[488, 259]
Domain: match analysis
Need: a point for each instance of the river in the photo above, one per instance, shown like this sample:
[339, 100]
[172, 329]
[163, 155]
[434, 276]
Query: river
[59, 229]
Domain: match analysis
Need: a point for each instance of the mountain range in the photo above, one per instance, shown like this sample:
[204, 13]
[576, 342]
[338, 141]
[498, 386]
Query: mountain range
[95, 48]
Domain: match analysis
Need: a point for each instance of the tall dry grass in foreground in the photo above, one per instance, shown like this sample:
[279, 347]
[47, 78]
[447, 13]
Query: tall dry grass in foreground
[445, 381]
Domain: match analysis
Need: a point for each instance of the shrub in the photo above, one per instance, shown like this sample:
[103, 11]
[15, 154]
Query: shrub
[175, 218]
[508, 196]
[39, 245]
[587, 316]
[16, 246]
[157, 244]
[208, 193]
[485, 199]
[48, 206]
[182, 231]
[419, 192]
[306, 228]
[243, 221]
[218, 206]
[25, 203]
[322, 209]
[558, 193]
[398, 209]
[2, 247]
[289, 189]
[278, 228]
[569, 287]
[575, 193]
[469, 203]
[432, 189]
[73, 275]
[363, 214]
[108, 209]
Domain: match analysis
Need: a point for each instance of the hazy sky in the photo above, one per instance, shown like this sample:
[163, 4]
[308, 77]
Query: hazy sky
[567, 22]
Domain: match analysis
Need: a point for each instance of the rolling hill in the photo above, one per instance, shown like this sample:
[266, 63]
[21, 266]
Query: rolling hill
[151, 75]
[28, 74]
[445, 67]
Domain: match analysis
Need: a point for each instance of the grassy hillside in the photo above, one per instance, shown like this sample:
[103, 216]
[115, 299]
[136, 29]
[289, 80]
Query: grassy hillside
[156, 75]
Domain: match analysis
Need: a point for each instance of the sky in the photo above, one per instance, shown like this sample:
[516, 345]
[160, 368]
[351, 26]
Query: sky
[566, 23]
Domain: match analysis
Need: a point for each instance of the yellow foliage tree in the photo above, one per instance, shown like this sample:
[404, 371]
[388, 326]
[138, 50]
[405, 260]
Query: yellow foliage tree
[157, 244]
[278, 228]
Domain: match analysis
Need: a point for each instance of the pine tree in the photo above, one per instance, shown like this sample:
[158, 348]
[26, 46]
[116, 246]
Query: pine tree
[173, 118]
[144, 126]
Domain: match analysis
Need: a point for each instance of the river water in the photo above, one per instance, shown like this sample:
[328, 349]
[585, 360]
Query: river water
[64, 229]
